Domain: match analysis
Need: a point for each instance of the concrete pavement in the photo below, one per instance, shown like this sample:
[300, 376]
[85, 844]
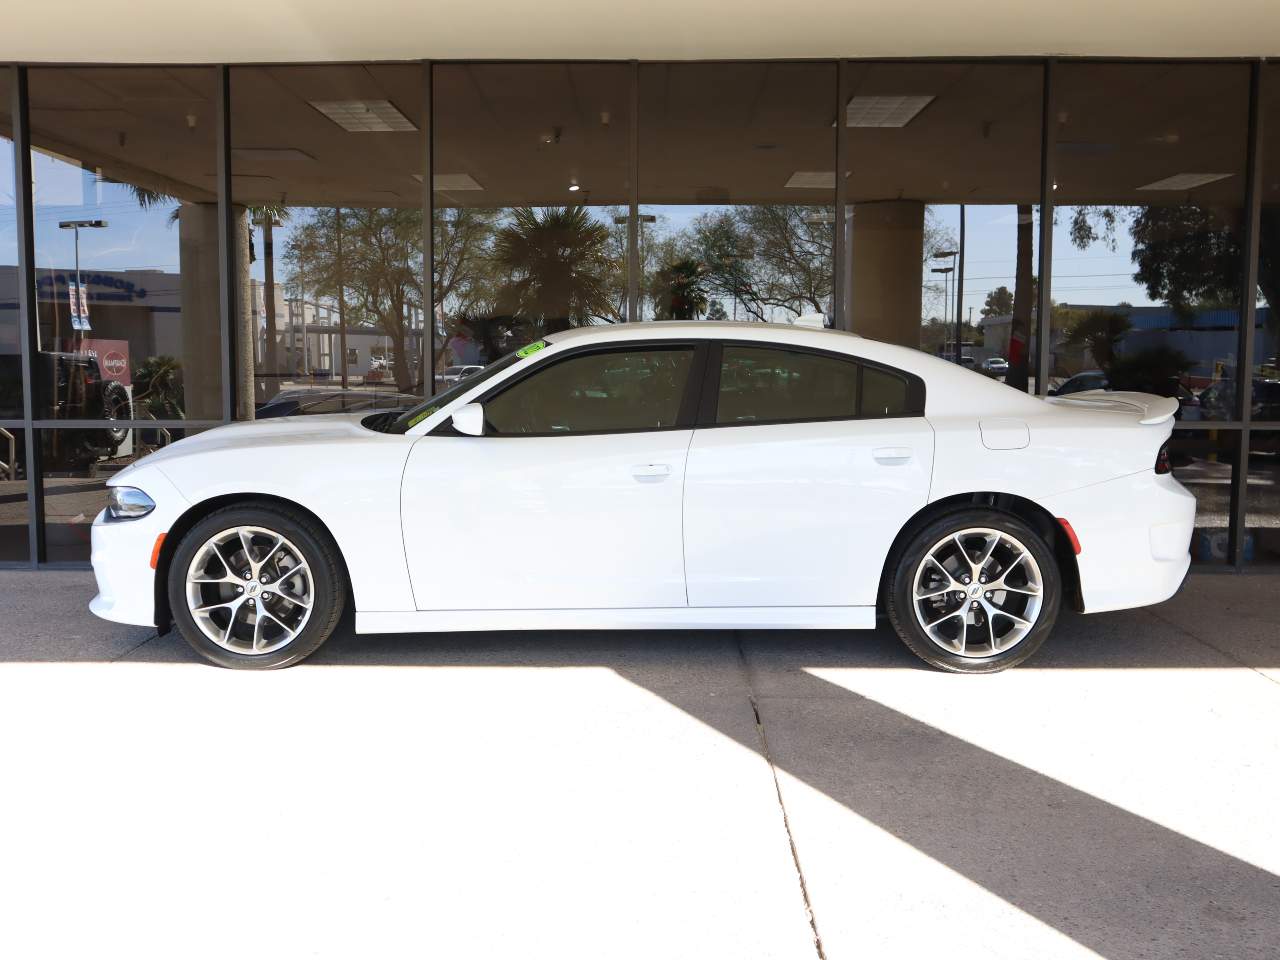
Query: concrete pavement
[723, 794]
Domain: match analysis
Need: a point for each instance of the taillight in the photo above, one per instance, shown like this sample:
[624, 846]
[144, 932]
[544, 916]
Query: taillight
[1162, 459]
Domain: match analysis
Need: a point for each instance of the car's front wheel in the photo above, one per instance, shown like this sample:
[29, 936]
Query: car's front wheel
[256, 587]
[974, 592]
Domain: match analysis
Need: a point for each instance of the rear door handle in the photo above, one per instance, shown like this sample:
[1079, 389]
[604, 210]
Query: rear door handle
[650, 472]
[891, 456]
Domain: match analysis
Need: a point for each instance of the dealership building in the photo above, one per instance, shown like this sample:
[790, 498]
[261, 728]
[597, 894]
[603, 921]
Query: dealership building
[204, 207]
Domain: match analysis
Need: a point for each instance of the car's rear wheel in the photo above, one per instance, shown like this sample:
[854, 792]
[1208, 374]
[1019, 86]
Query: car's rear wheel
[975, 591]
[256, 587]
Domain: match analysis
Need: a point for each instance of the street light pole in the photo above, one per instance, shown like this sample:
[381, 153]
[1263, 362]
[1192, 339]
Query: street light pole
[76, 225]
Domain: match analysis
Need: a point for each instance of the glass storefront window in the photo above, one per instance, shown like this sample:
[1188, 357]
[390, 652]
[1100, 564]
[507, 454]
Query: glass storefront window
[1266, 345]
[328, 202]
[14, 506]
[10, 352]
[1204, 461]
[737, 188]
[76, 464]
[531, 183]
[942, 216]
[1149, 225]
[125, 208]
[1262, 511]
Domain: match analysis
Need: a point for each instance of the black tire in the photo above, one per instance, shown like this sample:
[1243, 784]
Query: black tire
[899, 599]
[317, 549]
[116, 405]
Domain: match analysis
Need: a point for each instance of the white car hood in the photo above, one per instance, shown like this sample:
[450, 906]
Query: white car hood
[275, 432]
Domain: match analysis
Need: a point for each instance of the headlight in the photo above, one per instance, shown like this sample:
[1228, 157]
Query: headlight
[128, 503]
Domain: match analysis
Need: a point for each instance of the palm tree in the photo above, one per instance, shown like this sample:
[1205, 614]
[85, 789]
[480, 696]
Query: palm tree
[679, 291]
[554, 267]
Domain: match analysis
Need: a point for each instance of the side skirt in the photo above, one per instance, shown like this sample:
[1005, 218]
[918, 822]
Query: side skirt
[655, 618]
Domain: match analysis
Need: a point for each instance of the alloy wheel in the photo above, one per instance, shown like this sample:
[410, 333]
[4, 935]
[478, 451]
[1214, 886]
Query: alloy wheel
[977, 592]
[249, 590]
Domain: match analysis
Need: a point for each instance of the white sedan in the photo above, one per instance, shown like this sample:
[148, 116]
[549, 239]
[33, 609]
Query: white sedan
[661, 475]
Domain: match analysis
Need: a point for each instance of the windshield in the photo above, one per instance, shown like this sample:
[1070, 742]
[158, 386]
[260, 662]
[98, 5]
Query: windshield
[415, 415]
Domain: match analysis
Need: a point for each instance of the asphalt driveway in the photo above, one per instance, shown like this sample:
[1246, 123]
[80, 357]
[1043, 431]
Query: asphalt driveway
[655, 795]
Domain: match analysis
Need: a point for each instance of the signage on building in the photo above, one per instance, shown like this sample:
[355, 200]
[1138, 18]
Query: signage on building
[112, 357]
[78, 298]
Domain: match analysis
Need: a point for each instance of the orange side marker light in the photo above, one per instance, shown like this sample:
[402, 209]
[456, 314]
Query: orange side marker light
[1071, 535]
[155, 551]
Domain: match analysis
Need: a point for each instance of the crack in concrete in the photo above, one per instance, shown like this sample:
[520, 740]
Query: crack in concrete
[135, 648]
[777, 788]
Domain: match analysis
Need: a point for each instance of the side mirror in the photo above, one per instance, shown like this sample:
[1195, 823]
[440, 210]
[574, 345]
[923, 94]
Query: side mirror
[469, 419]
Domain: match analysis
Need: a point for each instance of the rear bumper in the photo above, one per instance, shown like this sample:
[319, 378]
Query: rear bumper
[1135, 539]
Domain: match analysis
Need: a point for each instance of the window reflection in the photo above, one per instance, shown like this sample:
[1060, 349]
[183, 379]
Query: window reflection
[14, 506]
[531, 224]
[1262, 516]
[10, 354]
[76, 466]
[326, 165]
[1147, 269]
[942, 222]
[737, 186]
[125, 218]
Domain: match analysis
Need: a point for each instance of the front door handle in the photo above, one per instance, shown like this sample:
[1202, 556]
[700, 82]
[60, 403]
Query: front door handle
[650, 472]
[891, 456]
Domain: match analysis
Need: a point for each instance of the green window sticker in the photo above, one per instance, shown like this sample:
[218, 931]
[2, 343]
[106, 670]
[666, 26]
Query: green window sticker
[531, 349]
[422, 416]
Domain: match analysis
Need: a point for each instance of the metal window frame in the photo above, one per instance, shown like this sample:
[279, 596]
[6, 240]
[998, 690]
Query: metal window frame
[1237, 527]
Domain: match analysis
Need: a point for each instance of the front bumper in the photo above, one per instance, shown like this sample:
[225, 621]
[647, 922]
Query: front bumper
[121, 554]
[1135, 539]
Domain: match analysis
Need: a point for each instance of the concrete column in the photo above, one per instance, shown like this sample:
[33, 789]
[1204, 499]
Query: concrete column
[886, 245]
[201, 338]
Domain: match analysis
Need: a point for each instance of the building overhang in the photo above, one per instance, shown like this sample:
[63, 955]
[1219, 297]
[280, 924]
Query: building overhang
[249, 31]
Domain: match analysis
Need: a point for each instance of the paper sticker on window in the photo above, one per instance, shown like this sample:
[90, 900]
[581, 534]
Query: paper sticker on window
[531, 349]
[422, 416]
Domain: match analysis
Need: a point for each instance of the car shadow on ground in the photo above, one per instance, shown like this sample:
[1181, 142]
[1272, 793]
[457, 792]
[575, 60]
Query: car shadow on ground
[1113, 881]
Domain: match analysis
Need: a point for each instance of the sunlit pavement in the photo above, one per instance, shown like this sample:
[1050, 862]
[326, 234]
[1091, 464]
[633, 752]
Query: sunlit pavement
[597, 795]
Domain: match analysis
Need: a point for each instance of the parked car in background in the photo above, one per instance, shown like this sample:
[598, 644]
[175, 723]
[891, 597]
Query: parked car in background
[968, 361]
[451, 375]
[995, 366]
[295, 403]
[743, 476]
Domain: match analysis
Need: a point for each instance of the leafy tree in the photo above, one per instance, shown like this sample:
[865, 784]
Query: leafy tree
[717, 312]
[377, 266]
[1157, 370]
[999, 302]
[679, 291]
[157, 388]
[1098, 331]
[555, 267]
[767, 256]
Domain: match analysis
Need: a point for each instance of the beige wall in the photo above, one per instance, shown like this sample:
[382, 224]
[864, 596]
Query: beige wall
[237, 31]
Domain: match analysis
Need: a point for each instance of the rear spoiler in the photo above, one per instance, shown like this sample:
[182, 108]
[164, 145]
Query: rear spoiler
[1149, 408]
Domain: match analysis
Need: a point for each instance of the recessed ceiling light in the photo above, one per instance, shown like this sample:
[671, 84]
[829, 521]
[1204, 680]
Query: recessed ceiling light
[573, 186]
[365, 116]
[1185, 181]
[812, 180]
[885, 111]
[450, 182]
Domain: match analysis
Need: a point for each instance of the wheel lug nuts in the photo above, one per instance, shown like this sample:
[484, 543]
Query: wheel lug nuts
[248, 576]
[239, 589]
[972, 606]
[263, 578]
[988, 594]
[266, 596]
